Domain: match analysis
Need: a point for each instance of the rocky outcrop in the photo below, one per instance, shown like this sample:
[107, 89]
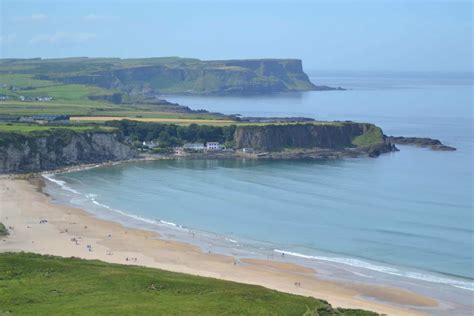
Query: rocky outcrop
[354, 137]
[434, 144]
[58, 148]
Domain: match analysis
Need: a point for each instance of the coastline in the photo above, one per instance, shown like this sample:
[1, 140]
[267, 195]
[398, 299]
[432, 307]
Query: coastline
[23, 206]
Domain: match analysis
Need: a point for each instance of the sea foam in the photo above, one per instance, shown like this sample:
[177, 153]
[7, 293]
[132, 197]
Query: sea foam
[62, 184]
[393, 271]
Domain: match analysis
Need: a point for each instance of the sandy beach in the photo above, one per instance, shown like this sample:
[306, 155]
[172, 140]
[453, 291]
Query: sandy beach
[39, 226]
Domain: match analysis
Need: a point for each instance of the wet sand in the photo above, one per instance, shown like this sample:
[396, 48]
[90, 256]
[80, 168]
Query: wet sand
[69, 231]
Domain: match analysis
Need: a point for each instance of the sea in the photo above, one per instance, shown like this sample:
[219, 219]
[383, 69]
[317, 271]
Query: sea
[403, 219]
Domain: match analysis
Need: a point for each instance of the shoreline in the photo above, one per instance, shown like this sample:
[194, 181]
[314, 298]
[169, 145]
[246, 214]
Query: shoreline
[24, 206]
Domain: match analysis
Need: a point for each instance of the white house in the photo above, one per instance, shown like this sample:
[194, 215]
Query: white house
[150, 144]
[214, 146]
[194, 146]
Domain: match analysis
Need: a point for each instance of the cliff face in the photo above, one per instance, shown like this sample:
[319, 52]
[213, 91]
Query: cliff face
[358, 136]
[202, 77]
[29, 153]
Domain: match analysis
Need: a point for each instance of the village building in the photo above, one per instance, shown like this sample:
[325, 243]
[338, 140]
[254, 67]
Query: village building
[43, 99]
[214, 146]
[179, 151]
[150, 144]
[194, 146]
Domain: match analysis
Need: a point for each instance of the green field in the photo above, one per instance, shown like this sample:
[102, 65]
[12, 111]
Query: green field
[73, 99]
[28, 128]
[44, 285]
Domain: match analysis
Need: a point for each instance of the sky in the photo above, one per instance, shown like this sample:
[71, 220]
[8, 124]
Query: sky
[370, 35]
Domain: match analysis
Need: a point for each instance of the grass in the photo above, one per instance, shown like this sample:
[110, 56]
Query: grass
[3, 230]
[23, 80]
[44, 285]
[174, 118]
[166, 120]
[66, 92]
[213, 76]
[372, 136]
[72, 99]
[29, 128]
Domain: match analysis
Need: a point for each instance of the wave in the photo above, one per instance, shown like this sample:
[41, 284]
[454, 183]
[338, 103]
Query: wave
[92, 198]
[136, 217]
[62, 184]
[170, 223]
[366, 265]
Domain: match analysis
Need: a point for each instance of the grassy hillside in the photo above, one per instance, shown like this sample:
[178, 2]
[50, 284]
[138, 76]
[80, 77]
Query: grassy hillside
[79, 99]
[372, 136]
[169, 75]
[44, 285]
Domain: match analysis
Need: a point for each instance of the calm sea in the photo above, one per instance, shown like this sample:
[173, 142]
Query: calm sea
[406, 215]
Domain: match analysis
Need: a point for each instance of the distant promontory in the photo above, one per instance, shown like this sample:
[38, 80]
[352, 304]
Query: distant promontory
[173, 75]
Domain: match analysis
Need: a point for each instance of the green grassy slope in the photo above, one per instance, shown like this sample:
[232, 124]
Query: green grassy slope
[73, 99]
[168, 74]
[372, 136]
[43, 285]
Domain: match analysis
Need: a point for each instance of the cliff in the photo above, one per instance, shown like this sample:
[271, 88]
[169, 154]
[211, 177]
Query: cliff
[151, 76]
[58, 148]
[338, 136]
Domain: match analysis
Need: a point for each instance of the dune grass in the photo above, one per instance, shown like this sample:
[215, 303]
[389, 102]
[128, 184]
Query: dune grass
[32, 284]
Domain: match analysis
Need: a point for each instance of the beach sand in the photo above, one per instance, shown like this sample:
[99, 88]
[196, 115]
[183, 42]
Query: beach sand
[68, 231]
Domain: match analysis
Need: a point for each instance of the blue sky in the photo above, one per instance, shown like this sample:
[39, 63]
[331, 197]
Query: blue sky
[330, 35]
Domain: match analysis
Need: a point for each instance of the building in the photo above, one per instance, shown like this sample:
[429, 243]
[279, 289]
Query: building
[213, 146]
[43, 99]
[179, 151]
[45, 119]
[150, 144]
[194, 146]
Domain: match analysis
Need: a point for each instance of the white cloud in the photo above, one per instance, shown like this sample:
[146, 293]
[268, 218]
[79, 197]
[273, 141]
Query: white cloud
[35, 17]
[59, 37]
[8, 38]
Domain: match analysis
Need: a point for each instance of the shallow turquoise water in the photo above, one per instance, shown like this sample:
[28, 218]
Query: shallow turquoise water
[407, 213]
